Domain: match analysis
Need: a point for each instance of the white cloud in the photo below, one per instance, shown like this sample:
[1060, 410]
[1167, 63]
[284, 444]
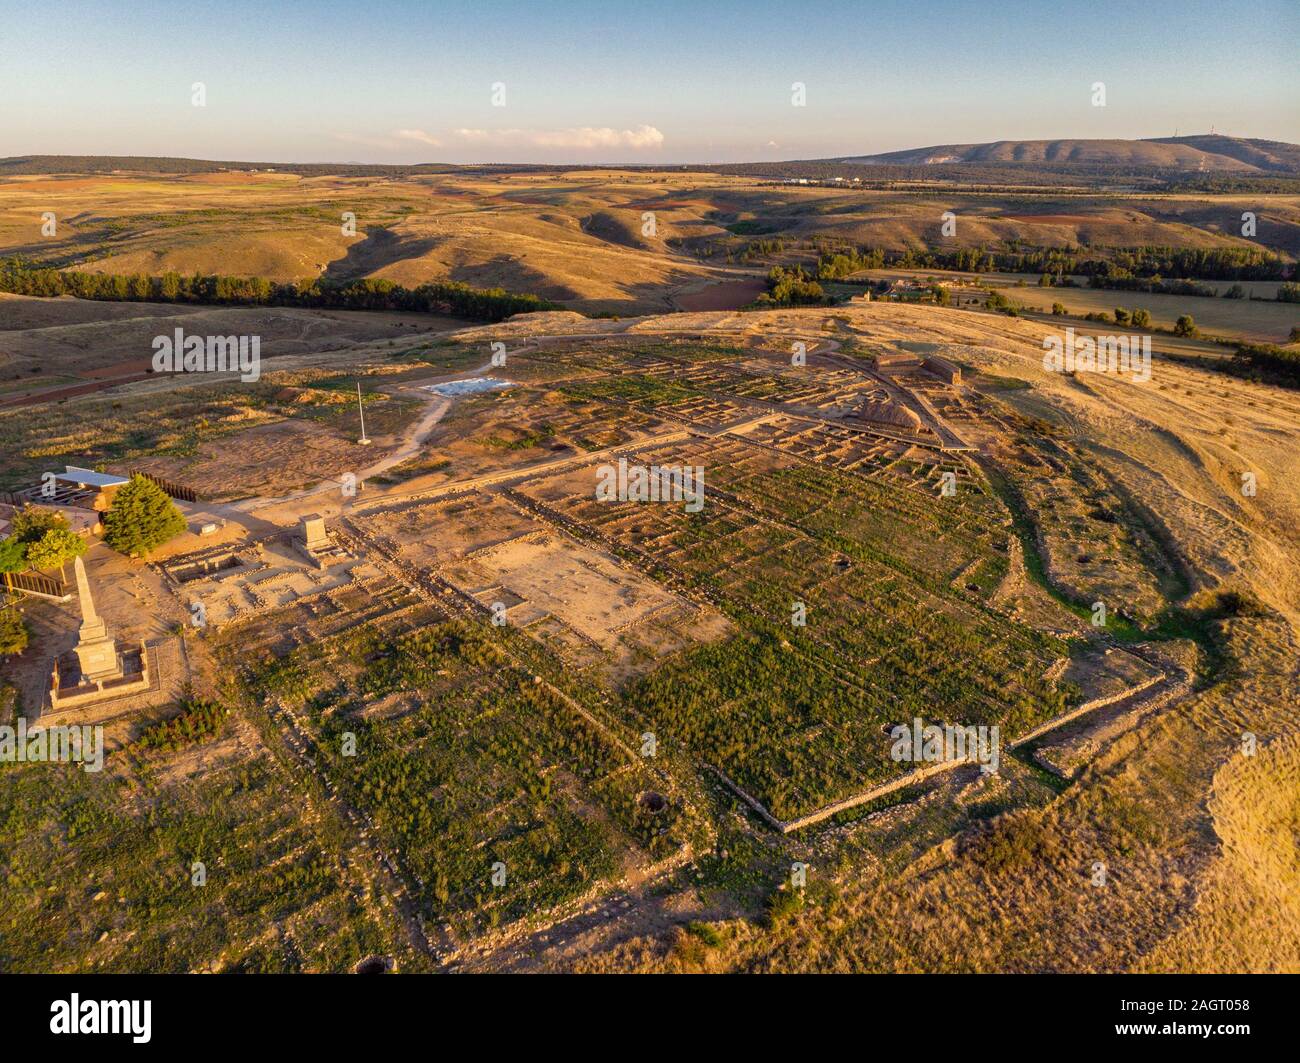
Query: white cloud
[418, 134]
[582, 137]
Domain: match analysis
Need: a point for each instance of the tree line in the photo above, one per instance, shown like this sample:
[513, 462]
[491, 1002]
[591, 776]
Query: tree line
[1114, 265]
[450, 298]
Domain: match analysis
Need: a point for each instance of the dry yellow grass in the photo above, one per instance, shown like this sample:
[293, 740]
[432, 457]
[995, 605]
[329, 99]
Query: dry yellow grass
[574, 237]
[578, 236]
[1247, 916]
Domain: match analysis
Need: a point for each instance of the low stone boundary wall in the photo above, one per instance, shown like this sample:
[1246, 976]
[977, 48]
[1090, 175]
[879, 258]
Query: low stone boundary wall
[922, 774]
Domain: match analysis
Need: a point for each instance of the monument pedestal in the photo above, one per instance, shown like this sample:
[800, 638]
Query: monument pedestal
[98, 660]
[316, 543]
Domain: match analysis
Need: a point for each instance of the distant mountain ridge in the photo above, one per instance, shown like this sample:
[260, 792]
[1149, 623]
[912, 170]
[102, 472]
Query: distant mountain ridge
[1158, 157]
[1208, 153]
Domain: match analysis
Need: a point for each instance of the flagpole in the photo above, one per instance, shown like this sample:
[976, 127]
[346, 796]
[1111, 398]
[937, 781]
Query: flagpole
[363, 441]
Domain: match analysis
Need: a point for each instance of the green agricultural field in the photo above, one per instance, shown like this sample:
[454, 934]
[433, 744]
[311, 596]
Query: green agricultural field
[1253, 320]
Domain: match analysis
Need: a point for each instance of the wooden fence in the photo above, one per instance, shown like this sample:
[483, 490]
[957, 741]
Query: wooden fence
[185, 494]
[35, 583]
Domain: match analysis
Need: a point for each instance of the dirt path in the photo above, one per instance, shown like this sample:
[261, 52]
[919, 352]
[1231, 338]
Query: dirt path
[69, 391]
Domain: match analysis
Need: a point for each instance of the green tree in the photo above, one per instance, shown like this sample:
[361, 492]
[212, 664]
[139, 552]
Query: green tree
[13, 632]
[791, 288]
[999, 302]
[142, 518]
[55, 548]
[1121, 316]
[1185, 326]
[31, 523]
[1058, 309]
[13, 555]
[1141, 319]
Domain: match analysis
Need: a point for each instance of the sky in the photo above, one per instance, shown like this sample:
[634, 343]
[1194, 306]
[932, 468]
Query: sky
[655, 82]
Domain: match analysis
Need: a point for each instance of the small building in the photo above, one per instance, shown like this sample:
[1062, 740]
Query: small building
[82, 496]
[94, 490]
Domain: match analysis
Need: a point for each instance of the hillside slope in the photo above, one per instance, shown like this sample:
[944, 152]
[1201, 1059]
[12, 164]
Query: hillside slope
[1208, 153]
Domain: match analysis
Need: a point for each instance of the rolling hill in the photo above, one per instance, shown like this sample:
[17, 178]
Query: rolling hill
[1207, 153]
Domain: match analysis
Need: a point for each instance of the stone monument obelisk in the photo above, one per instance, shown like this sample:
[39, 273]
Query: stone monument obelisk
[96, 651]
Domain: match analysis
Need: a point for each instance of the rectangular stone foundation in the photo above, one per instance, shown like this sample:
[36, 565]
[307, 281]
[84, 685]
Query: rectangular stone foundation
[86, 694]
[168, 673]
[65, 695]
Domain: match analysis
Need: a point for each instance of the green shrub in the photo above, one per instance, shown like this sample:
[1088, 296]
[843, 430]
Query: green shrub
[783, 905]
[198, 719]
[705, 933]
